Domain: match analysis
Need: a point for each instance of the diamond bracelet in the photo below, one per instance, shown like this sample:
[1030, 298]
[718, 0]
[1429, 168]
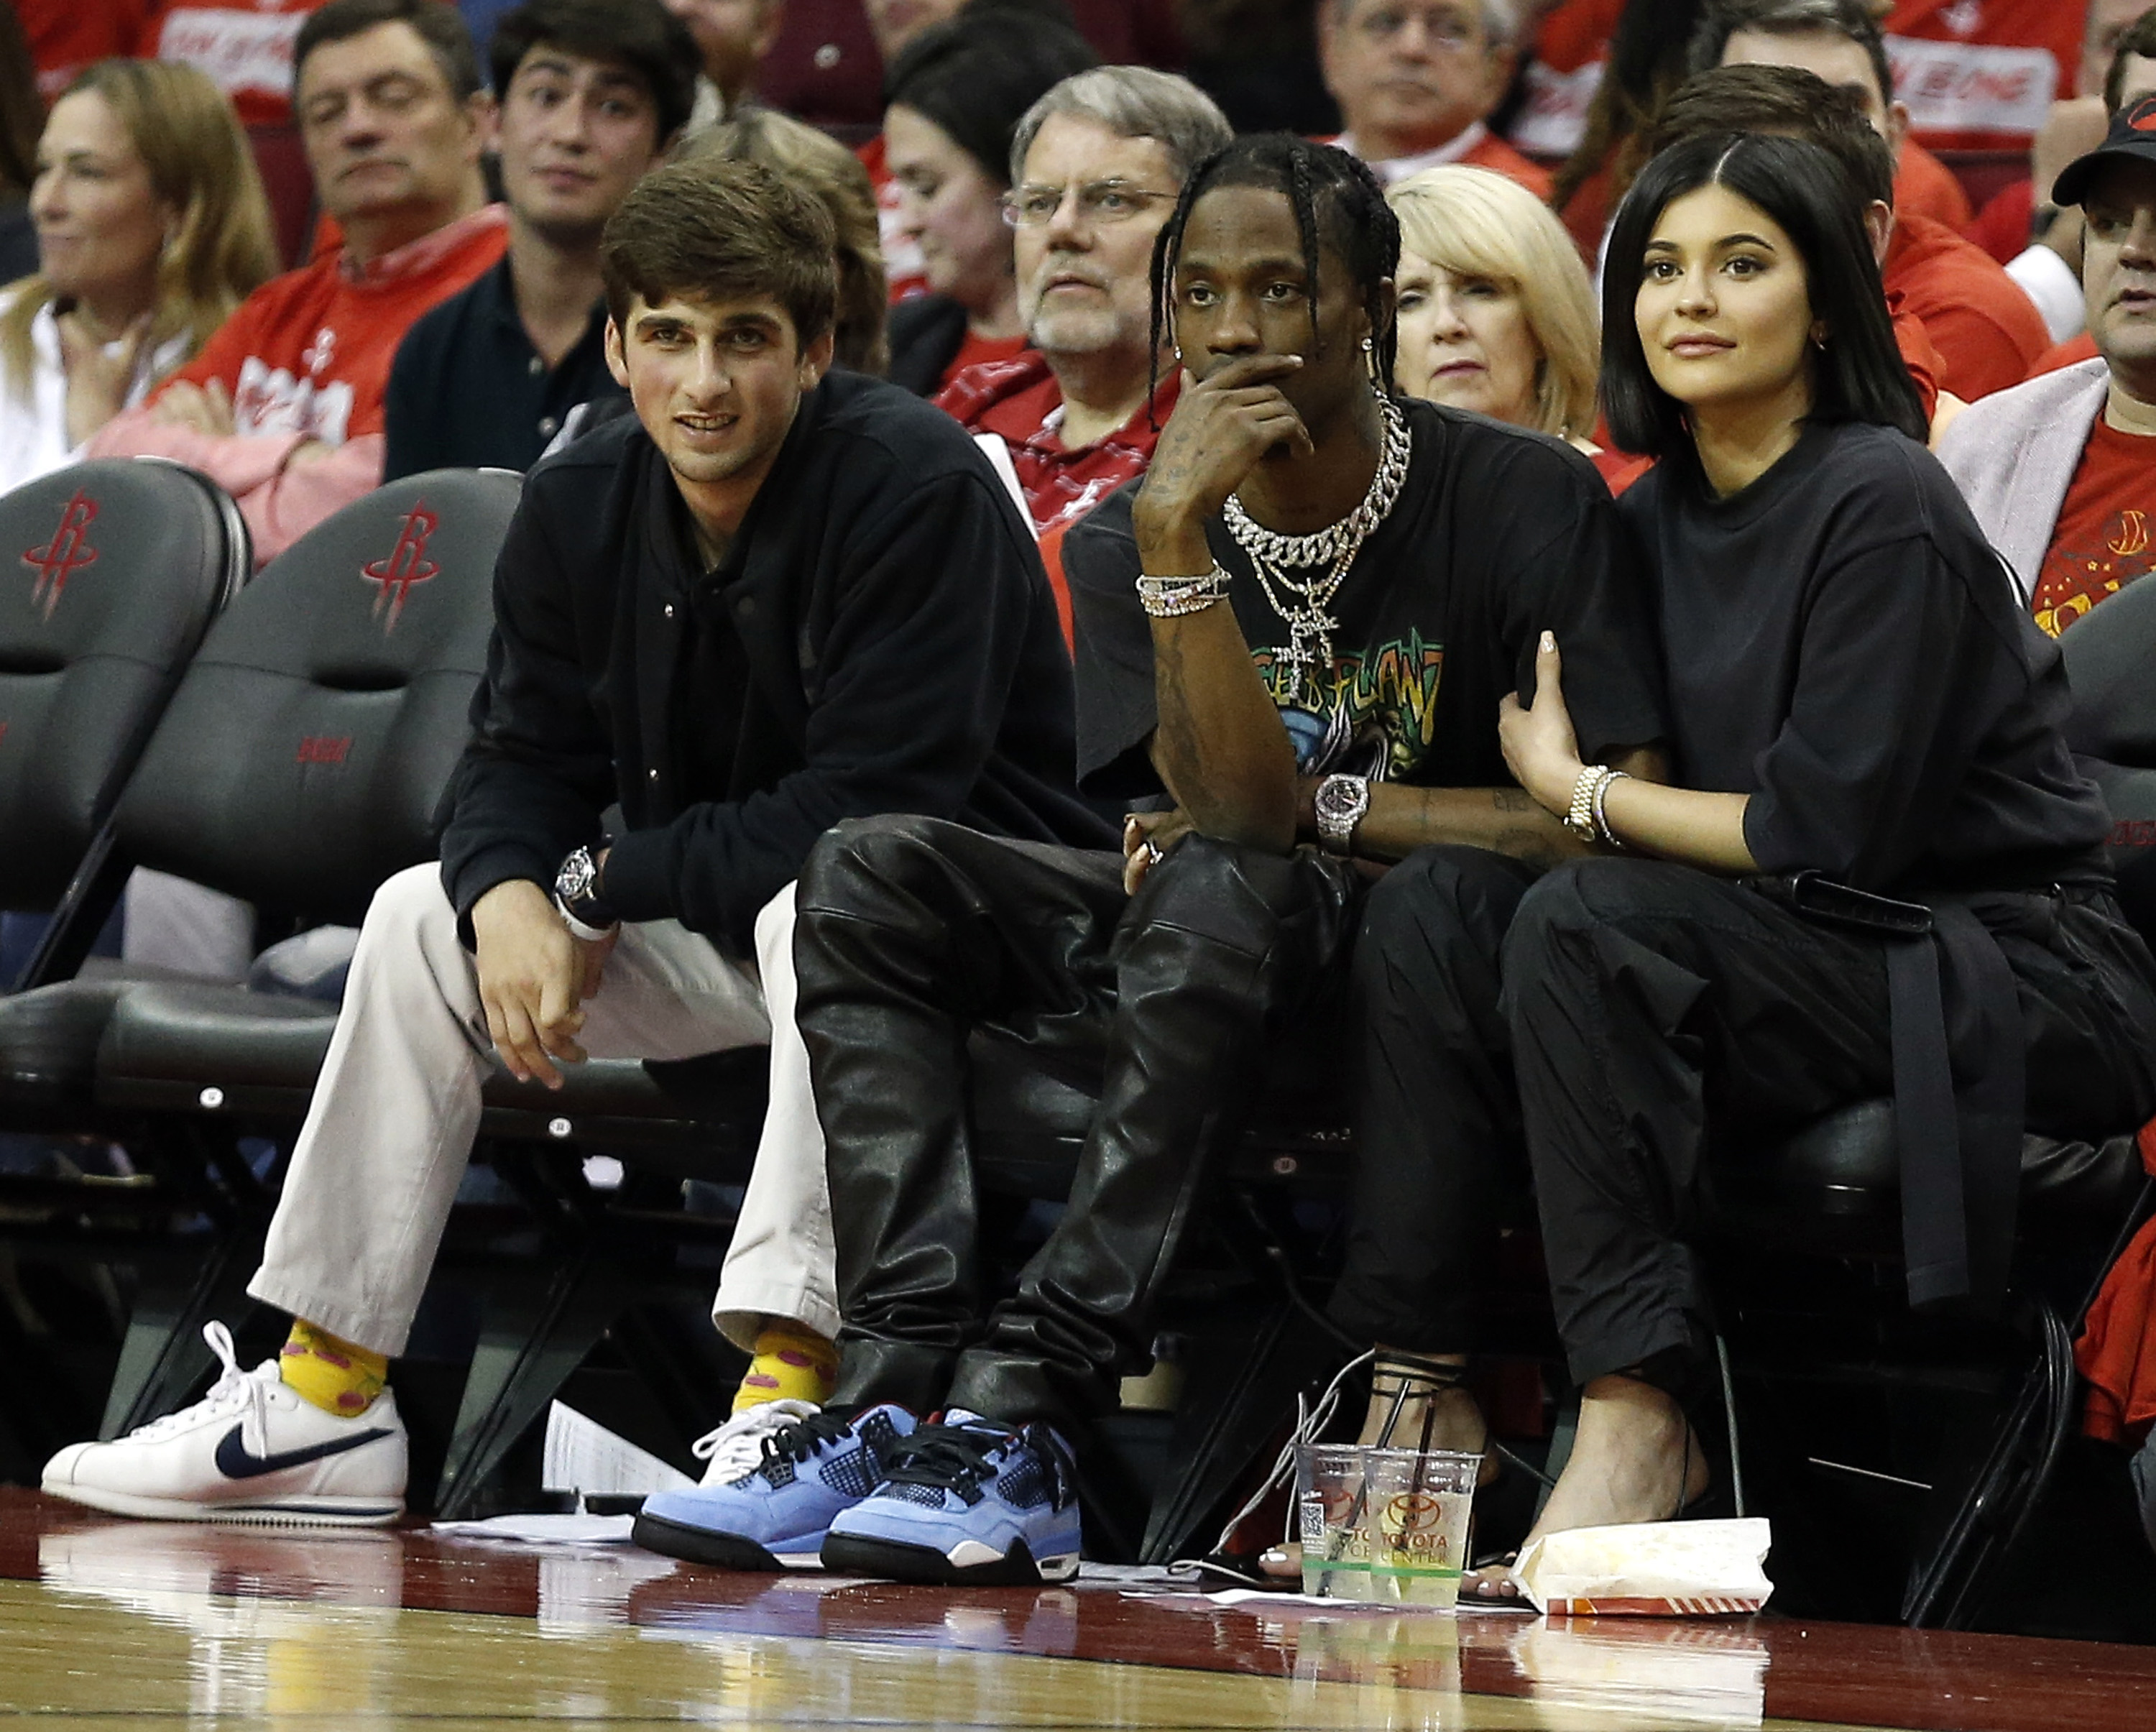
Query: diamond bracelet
[1172, 597]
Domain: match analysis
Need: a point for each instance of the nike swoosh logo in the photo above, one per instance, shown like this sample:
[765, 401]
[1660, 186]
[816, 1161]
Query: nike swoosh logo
[235, 1462]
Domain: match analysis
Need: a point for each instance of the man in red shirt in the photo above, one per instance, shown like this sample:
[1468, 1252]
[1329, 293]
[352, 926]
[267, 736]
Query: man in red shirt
[1101, 158]
[1987, 330]
[283, 406]
[2061, 471]
[1416, 80]
[1980, 75]
[2043, 246]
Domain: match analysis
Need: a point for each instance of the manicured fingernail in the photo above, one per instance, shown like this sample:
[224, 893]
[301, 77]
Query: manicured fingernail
[1272, 1554]
[1549, 641]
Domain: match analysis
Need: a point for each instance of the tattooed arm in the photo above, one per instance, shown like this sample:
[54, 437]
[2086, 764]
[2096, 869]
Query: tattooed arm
[1507, 821]
[1219, 745]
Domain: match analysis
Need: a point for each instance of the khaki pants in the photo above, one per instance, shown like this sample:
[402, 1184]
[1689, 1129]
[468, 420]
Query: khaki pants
[390, 1129]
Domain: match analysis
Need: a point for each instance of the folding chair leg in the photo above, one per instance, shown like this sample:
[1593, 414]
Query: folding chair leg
[1226, 1421]
[530, 1342]
[1946, 1590]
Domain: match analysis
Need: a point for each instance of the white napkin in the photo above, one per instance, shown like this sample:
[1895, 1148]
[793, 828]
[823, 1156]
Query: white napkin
[1650, 1570]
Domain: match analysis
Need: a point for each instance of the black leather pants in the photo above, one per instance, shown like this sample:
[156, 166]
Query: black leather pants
[912, 933]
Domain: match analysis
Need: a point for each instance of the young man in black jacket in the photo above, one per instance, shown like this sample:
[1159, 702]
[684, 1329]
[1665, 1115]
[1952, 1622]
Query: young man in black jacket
[771, 601]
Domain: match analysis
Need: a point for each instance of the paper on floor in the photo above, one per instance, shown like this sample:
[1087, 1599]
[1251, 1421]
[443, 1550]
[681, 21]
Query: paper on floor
[583, 1456]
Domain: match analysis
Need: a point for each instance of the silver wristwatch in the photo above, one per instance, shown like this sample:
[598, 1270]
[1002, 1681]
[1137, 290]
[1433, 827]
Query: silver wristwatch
[577, 898]
[1340, 803]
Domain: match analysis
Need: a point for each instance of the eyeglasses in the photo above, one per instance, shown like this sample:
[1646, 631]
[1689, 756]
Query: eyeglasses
[1098, 202]
[1446, 29]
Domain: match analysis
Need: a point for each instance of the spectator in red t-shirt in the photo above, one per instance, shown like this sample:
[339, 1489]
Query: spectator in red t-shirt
[283, 406]
[67, 35]
[245, 48]
[2042, 247]
[957, 95]
[1984, 326]
[2061, 471]
[1416, 80]
[1100, 159]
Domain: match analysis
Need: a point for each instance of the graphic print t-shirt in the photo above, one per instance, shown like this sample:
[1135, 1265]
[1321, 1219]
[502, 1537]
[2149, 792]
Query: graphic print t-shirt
[1498, 535]
[2106, 537]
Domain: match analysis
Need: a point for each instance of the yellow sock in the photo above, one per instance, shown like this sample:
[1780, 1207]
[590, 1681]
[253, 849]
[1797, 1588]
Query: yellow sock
[335, 1375]
[792, 1362]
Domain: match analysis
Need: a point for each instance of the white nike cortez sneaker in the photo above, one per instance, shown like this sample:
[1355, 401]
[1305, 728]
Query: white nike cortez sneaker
[251, 1449]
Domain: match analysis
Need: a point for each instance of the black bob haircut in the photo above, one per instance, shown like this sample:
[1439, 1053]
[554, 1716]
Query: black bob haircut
[1859, 376]
[1338, 206]
[642, 37]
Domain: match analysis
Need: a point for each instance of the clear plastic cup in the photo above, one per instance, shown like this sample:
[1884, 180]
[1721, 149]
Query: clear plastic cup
[1336, 1541]
[1416, 1505]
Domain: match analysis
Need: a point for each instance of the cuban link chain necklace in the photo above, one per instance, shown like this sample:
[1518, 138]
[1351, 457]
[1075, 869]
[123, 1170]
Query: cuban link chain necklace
[1324, 557]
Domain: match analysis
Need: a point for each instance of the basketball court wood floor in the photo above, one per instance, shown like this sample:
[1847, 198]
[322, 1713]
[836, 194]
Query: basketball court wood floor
[108, 1624]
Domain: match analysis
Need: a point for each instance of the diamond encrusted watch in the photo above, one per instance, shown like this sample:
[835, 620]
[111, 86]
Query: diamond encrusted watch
[1339, 804]
[577, 898]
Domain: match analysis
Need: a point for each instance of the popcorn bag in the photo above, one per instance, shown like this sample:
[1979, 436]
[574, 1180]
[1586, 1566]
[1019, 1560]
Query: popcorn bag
[1650, 1570]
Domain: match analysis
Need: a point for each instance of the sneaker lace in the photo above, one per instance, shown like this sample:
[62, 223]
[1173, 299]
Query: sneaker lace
[735, 1449]
[960, 1458]
[808, 1437]
[234, 1391]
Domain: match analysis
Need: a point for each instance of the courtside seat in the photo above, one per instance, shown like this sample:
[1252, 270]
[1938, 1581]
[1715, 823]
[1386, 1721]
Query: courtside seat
[201, 1046]
[119, 567]
[298, 761]
[302, 760]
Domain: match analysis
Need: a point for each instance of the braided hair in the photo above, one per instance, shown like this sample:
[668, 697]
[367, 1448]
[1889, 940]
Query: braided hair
[1337, 203]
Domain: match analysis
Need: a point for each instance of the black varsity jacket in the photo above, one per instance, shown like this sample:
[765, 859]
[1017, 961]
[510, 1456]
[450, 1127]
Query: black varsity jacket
[902, 645]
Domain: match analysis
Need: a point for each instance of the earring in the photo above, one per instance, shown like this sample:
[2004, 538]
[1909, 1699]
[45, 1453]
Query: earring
[1369, 347]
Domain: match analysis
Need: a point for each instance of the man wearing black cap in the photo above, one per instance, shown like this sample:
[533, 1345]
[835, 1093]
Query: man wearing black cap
[2061, 471]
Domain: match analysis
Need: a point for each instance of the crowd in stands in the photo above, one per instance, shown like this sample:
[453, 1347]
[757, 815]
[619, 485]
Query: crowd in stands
[1494, 497]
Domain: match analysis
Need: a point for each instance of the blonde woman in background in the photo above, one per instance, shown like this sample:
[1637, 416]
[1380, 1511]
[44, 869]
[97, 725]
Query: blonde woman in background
[152, 228]
[1497, 314]
[819, 165]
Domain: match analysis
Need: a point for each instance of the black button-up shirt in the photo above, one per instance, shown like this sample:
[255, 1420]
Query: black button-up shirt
[468, 390]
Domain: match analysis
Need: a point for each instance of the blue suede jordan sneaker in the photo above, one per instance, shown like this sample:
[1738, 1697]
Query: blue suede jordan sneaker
[965, 1501]
[813, 1468]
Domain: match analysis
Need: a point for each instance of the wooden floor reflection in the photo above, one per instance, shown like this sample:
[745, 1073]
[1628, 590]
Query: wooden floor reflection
[115, 1623]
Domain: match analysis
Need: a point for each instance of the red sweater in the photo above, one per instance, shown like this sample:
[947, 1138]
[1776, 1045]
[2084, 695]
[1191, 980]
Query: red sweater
[305, 362]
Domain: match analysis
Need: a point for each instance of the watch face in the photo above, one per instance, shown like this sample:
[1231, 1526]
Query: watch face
[1342, 796]
[575, 877]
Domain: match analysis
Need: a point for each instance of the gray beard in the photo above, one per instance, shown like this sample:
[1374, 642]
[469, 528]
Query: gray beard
[1078, 331]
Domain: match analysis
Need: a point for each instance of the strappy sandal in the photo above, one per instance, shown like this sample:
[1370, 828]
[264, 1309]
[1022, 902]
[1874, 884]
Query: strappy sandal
[1400, 1378]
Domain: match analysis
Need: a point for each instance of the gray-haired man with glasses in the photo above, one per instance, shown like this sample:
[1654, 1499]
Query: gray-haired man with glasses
[1095, 168]
[1416, 81]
